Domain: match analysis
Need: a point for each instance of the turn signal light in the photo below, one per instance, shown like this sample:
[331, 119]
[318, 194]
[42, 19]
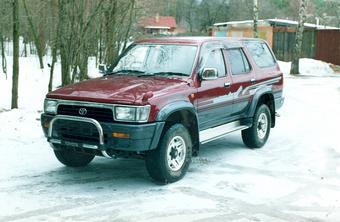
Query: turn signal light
[120, 135]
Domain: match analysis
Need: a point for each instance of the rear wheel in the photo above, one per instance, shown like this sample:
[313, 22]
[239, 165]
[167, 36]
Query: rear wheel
[257, 135]
[71, 158]
[170, 161]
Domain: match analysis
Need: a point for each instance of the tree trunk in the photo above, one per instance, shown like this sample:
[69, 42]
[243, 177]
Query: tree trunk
[256, 18]
[25, 48]
[54, 60]
[35, 36]
[129, 24]
[31, 48]
[74, 73]
[53, 42]
[65, 69]
[64, 56]
[83, 63]
[100, 49]
[110, 17]
[15, 77]
[298, 38]
[3, 56]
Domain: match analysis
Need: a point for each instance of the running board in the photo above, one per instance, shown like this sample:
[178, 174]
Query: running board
[220, 131]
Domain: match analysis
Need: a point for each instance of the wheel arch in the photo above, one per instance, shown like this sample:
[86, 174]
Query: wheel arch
[182, 112]
[264, 96]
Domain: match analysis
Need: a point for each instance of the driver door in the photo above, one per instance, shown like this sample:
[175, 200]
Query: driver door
[214, 98]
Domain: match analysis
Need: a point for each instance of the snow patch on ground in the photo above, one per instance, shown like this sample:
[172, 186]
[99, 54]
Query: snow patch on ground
[310, 67]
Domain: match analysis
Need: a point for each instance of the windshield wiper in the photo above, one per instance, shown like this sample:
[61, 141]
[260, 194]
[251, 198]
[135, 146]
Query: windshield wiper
[125, 71]
[171, 73]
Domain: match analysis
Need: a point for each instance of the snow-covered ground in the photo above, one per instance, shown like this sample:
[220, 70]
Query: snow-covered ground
[295, 177]
[310, 67]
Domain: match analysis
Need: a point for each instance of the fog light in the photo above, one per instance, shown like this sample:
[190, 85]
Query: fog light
[120, 135]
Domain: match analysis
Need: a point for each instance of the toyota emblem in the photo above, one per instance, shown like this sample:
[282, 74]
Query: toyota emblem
[82, 111]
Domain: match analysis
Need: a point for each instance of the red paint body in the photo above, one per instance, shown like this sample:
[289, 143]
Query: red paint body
[164, 90]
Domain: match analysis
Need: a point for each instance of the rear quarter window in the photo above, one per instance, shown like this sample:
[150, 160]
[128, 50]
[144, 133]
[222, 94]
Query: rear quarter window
[260, 53]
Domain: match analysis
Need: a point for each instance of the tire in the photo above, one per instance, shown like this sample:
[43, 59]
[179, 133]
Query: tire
[170, 160]
[71, 158]
[257, 135]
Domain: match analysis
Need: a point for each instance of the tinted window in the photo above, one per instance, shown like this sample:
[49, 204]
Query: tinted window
[261, 54]
[214, 59]
[238, 61]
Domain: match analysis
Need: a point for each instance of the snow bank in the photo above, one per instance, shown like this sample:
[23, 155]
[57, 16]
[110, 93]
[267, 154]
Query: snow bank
[310, 67]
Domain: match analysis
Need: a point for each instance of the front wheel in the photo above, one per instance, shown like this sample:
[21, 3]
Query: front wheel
[170, 161]
[257, 135]
[71, 158]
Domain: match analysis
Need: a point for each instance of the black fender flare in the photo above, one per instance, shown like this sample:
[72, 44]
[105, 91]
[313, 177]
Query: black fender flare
[173, 107]
[169, 109]
[258, 94]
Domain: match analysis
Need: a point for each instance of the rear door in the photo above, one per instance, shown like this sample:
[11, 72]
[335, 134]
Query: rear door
[214, 96]
[243, 77]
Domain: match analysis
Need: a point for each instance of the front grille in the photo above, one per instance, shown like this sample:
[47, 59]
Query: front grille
[99, 114]
[76, 131]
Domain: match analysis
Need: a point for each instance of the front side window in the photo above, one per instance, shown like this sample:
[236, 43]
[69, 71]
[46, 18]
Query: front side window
[156, 59]
[238, 61]
[214, 59]
[261, 54]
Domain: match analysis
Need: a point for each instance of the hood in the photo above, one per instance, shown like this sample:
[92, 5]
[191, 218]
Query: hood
[122, 89]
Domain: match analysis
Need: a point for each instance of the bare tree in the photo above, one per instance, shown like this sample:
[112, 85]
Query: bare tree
[4, 24]
[256, 18]
[298, 39]
[189, 16]
[37, 41]
[15, 77]
[53, 36]
[3, 56]
[129, 25]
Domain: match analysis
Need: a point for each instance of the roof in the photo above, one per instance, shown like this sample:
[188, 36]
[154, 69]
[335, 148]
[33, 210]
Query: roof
[236, 22]
[158, 22]
[295, 23]
[197, 40]
[279, 22]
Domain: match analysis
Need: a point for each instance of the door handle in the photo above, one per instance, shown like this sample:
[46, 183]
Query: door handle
[253, 80]
[227, 84]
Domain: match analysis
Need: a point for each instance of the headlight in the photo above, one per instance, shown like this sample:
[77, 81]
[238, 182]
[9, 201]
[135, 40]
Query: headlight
[50, 106]
[132, 113]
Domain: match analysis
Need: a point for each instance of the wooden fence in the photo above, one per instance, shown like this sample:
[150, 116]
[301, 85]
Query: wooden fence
[328, 46]
[284, 43]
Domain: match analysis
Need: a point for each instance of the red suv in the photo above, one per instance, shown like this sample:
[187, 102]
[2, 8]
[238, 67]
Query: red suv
[163, 98]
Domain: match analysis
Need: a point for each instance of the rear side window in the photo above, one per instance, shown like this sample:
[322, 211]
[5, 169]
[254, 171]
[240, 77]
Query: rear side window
[261, 54]
[238, 61]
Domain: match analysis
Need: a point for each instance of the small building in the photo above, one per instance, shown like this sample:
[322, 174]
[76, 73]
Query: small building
[158, 25]
[280, 35]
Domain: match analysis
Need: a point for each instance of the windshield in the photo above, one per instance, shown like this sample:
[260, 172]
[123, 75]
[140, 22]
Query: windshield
[158, 59]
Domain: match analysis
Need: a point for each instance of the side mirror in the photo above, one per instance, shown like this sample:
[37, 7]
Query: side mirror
[102, 68]
[209, 74]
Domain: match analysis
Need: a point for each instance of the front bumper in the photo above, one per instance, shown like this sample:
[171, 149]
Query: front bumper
[90, 134]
